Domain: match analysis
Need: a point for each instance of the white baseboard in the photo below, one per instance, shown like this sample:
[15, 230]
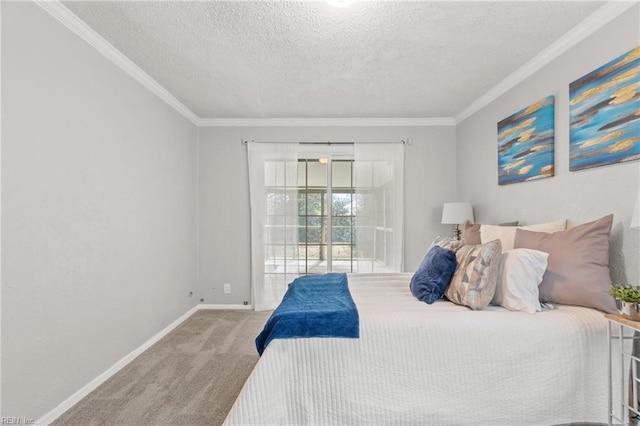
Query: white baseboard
[231, 307]
[92, 385]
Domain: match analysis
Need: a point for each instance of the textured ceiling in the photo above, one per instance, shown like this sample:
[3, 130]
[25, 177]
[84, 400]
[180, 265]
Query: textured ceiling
[275, 59]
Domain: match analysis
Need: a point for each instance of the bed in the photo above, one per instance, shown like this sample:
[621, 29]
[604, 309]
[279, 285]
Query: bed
[438, 364]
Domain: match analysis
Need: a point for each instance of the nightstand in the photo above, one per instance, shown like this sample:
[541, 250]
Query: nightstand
[623, 331]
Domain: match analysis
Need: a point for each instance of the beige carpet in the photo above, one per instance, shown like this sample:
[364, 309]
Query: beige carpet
[190, 377]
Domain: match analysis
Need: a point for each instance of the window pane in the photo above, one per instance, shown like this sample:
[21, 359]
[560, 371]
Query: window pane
[341, 204]
[380, 245]
[341, 252]
[315, 221]
[314, 235]
[275, 234]
[291, 233]
[282, 202]
[280, 173]
[274, 251]
[316, 174]
[302, 173]
[281, 234]
[290, 251]
[274, 204]
[275, 221]
[364, 236]
[341, 174]
[364, 252]
[325, 209]
[365, 208]
[363, 174]
[290, 201]
[380, 209]
[382, 173]
[342, 221]
[313, 252]
[314, 203]
[341, 234]
[302, 203]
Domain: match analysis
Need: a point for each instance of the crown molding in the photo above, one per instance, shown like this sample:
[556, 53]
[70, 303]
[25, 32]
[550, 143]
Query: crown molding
[325, 122]
[602, 16]
[56, 9]
[591, 24]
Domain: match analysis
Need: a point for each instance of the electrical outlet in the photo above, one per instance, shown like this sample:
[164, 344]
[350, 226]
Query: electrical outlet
[227, 288]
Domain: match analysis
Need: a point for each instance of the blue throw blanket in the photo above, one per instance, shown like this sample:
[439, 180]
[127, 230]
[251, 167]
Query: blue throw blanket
[313, 306]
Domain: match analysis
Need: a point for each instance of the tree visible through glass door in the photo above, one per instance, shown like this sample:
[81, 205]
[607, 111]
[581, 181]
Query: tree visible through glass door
[326, 236]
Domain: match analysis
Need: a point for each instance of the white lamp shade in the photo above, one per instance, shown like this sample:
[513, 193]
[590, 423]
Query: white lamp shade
[635, 218]
[456, 213]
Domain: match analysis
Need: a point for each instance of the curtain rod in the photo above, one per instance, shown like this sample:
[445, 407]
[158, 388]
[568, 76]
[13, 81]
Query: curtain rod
[244, 142]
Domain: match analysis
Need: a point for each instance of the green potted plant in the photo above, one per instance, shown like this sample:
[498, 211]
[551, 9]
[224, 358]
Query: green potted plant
[630, 298]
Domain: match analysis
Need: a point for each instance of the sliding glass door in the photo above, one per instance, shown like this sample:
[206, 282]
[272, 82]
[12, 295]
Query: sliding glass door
[326, 199]
[331, 209]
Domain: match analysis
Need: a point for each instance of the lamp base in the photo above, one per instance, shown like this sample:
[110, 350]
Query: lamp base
[457, 232]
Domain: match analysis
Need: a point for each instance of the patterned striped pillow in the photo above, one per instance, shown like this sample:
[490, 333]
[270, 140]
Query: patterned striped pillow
[474, 282]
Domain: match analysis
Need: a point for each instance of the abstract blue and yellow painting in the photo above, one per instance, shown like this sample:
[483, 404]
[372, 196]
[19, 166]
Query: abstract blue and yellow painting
[605, 114]
[526, 143]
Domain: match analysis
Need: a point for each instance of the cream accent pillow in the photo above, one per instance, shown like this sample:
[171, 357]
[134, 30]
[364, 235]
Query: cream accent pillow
[474, 282]
[520, 272]
[471, 231]
[507, 234]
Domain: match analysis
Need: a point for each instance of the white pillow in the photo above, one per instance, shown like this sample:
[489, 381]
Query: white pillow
[507, 234]
[519, 275]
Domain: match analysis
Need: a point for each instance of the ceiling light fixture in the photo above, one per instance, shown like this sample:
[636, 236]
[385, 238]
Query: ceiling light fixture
[340, 3]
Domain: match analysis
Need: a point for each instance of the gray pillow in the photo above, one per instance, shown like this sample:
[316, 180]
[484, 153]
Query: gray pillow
[474, 282]
[447, 243]
[471, 231]
[578, 264]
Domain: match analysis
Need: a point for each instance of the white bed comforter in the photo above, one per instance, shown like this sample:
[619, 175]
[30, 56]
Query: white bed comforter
[439, 364]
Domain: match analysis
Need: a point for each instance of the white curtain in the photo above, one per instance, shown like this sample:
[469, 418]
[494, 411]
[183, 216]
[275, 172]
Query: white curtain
[273, 187]
[379, 217]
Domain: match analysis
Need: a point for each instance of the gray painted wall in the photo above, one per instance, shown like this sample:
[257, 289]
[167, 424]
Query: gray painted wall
[98, 220]
[224, 237]
[99, 199]
[578, 196]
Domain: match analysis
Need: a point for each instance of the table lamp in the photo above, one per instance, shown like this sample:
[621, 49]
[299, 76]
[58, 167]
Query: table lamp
[455, 214]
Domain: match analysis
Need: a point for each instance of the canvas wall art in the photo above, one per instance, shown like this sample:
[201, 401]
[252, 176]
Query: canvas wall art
[526, 143]
[605, 114]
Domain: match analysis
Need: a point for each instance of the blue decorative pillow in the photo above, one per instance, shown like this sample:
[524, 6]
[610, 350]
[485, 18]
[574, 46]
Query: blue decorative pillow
[434, 274]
